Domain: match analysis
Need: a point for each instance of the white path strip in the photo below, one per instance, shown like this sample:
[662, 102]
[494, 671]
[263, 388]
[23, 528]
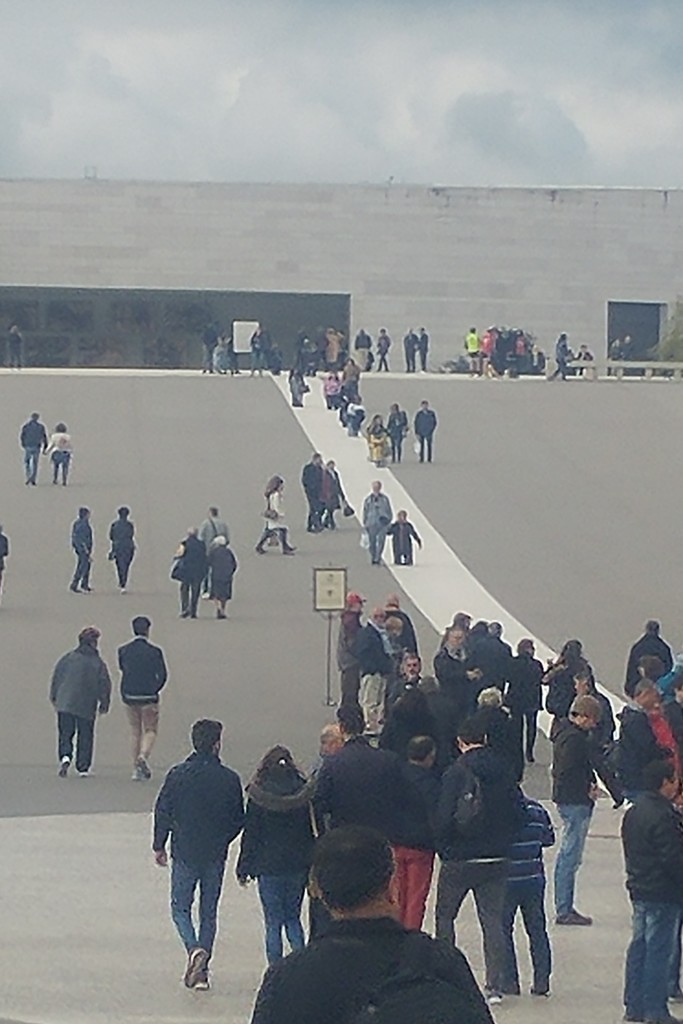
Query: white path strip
[439, 584]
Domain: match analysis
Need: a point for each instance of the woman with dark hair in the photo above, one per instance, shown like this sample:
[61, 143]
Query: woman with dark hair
[397, 428]
[274, 523]
[277, 846]
[409, 716]
[559, 678]
[122, 550]
[60, 451]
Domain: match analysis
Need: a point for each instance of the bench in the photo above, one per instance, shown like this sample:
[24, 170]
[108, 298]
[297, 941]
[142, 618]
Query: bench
[619, 368]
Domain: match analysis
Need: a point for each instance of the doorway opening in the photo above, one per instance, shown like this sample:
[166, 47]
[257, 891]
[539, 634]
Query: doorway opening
[638, 326]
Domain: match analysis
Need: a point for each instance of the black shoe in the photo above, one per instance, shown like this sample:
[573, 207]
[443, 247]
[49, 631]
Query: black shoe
[73, 588]
[543, 993]
[184, 615]
[86, 590]
[574, 918]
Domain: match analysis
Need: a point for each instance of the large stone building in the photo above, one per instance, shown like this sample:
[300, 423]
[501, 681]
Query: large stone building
[594, 262]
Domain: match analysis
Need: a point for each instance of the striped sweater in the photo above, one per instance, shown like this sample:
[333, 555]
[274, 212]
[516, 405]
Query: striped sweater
[525, 866]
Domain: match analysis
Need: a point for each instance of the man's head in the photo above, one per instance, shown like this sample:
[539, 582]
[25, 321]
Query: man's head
[192, 531]
[141, 625]
[351, 721]
[83, 512]
[411, 667]
[330, 739]
[213, 512]
[123, 512]
[583, 678]
[471, 734]
[646, 695]
[89, 636]
[660, 777]
[352, 872]
[424, 404]
[652, 627]
[455, 638]
[491, 697]
[651, 667]
[379, 616]
[526, 648]
[317, 459]
[422, 750]
[585, 712]
[393, 603]
[206, 736]
[462, 620]
[495, 629]
[376, 487]
[35, 416]
[354, 602]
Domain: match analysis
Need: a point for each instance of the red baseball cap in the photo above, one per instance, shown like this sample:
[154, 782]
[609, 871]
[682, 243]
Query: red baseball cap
[354, 598]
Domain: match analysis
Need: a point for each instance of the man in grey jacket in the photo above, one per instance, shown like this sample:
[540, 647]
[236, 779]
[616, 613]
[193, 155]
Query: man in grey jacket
[377, 516]
[212, 527]
[80, 688]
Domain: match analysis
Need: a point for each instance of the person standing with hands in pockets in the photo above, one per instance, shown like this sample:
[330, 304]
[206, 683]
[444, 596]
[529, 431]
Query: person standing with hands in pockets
[377, 516]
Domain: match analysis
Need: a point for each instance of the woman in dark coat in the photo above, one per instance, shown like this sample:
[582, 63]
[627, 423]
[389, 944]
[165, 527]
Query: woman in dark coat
[277, 846]
[122, 550]
[560, 679]
[397, 427]
[223, 566]
[409, 716]
[332, 495]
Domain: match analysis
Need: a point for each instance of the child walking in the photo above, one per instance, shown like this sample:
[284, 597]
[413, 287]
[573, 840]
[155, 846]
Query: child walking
[403, 533]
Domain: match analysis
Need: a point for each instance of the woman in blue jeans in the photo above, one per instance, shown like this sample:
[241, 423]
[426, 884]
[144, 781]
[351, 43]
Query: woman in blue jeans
[277, 846]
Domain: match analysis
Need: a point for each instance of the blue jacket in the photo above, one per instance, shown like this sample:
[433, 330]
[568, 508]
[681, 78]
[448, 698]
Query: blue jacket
[81, 536]
[525, 867]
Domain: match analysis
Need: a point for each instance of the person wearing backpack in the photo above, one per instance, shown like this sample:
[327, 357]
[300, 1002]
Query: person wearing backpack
[367, 968]
[478, 814]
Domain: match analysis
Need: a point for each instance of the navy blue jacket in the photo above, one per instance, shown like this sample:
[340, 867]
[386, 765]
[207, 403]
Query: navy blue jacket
[637, 747]
[369, 649]
[425, 422]
[362, 786]
[525, 858]
[200, 806]
[418, 817]
[143, 671]
[81, 536]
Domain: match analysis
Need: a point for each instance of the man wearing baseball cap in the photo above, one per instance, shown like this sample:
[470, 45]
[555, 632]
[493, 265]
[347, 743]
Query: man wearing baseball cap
[80, 688]
[347, 662]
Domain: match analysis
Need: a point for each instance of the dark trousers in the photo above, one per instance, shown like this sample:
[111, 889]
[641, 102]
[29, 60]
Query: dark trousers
[530, 724]
[189, 597]
[423, 357]
[410, 359]
[529, 899]
[60, 460]
[396, 448]
[350, 685]
[184, 881]
[426, 447]
[383, 364]
[81, 576]
[487, 883]
[15, 355]
[561, 370]
[281, 531]
[314, 519]
[122, 561]
[84, 730]
[675, 962]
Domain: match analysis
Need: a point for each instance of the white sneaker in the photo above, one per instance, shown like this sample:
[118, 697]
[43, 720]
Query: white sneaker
[87, 774]
[64, 767]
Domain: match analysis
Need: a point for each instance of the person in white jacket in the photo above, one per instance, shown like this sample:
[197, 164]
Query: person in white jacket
[275, 524]
[60, 451]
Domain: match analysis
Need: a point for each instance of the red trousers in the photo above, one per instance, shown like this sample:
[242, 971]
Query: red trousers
[413, 877]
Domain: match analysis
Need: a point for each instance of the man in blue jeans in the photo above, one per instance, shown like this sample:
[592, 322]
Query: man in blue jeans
[652, 837]
[33, 440]
[201, 807]
[574, 794]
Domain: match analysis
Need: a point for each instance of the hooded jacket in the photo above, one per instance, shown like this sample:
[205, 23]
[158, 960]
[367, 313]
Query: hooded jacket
[502, 808]
[80, 683]
[278, 834]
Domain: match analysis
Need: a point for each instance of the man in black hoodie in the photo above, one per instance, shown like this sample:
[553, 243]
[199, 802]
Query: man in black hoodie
[479, 812]
[652, 837]
[200, 806]
[650, 644]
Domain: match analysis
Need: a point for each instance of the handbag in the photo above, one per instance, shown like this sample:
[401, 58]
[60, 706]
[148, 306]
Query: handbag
[364, 540]
[178, 569]
[348, 510]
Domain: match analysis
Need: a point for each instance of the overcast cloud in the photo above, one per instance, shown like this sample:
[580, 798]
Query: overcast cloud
[495, 92]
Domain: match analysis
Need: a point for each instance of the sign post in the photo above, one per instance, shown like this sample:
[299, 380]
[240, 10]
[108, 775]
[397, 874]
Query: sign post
[329, 596]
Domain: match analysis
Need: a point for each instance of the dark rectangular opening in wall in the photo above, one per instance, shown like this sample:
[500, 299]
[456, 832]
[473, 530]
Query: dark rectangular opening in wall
[639, 321]
[150, 327]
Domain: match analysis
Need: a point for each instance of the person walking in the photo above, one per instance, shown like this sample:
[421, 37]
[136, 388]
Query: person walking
[358, 969]
[222, 569]
[332, 496]
[33, 440]
[562, 357]
[274, 521]
[260, 347]
[82, 543]
[410, 344]
[375, 656]
[312, 483]
[122, 545]
[383, 346]
[211, 527]
[652, 840]
[397, 428]
[201, 808]
[143, 677]
[473, 839]
[377, 516]
[348, 664]
[651, 644]
[190, 570]
[4, 555]
[423, 348]
[525, 891]
[403, 533]
[415, 844]
[80, 689]
[15, 347]
[60, 451]
[277, 846]
[425, 425]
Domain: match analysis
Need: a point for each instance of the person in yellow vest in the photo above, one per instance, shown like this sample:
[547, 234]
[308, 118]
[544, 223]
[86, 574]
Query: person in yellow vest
[473, 349]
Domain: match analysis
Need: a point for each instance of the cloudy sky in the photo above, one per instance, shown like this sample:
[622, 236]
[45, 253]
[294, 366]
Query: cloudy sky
[494, 92]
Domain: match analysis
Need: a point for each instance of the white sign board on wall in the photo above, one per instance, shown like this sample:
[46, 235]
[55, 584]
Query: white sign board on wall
[242, 331]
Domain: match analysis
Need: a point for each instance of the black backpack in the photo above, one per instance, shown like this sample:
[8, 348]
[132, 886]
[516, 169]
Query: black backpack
[469, 816]
[413, 993]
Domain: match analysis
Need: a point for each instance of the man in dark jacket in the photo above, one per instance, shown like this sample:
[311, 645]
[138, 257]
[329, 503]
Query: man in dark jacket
[407, 638]
[650, 644]
[425, 425]
[15, 347]
[143, 676]
[338, 978]
[312, 483]
[33, 439]
[574, 794]
[360, 785]
[479, 811]
[80, 687]
[347, 662]
[423, 348]
[415, 845]
[375, 657]
[194, 566]
[523, 695]
[82, 543]
[637, 744]
[652, 838]
[201, 807]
